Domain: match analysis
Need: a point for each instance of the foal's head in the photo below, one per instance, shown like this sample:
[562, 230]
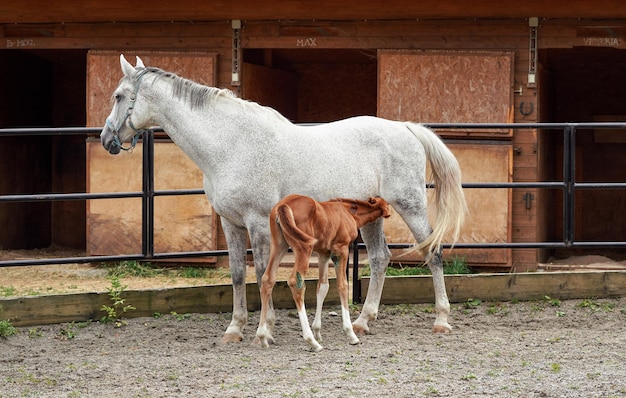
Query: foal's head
[368, 211]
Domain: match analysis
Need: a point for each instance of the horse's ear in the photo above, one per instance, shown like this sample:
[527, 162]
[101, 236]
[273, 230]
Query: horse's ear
[139, 63]
[127, 68]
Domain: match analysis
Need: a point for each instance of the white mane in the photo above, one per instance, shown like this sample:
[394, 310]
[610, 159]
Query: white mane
[198, 95]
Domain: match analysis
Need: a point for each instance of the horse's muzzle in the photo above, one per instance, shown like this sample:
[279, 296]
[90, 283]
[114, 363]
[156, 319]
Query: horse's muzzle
[108, 141]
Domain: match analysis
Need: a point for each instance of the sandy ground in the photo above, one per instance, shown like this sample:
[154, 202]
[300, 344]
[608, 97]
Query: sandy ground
[546, 348]
[532, 349]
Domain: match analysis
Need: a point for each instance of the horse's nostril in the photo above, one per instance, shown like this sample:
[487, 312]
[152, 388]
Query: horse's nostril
[113, 149]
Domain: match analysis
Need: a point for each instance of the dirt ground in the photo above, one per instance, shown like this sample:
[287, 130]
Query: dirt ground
[531, 349]
[546, 348]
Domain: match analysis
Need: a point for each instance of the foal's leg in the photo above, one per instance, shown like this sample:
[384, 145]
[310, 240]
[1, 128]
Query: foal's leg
[260, 238]
[298, 287]
[236, 239]
[379, 255]
[266, 325]
[342, 288]
[322, 291]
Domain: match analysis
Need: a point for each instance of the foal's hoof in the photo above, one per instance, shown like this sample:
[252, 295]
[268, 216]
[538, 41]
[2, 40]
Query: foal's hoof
[360, 330]
[232, 338]
[264, 342]
[440, 329]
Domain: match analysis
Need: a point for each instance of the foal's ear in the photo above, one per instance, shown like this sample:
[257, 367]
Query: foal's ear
[127, 68]
[382, 203]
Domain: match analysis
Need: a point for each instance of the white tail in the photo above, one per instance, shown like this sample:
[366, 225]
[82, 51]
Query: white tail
[449, 198]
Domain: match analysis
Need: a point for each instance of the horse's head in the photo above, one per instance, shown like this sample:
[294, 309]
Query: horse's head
[120, 127]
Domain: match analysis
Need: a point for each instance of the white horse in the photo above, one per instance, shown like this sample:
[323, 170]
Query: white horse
[252, 157]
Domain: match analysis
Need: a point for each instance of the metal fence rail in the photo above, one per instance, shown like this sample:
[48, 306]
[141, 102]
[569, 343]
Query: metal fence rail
[568, 185]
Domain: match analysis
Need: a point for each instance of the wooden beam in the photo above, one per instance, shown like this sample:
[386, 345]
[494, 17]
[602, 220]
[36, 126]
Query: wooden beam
[67, 11]
[505, 287]
[42, 310]
[567, 285]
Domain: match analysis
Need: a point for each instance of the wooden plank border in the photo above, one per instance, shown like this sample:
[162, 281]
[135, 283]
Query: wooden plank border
[564, 285]
[41, 310]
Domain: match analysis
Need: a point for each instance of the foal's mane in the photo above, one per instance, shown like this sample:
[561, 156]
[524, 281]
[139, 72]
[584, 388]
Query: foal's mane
[198, 96]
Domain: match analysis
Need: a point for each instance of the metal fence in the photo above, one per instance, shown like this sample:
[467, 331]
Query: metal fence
[568, 185]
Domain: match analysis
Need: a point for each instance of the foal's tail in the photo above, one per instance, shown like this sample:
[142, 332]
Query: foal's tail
[449, 197]
[288, 226]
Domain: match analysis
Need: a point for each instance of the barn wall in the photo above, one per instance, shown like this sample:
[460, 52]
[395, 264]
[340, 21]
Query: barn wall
[510, 35]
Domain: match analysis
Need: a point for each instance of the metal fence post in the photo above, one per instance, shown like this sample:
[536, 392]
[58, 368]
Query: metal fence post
[569, 179]
[147, 227]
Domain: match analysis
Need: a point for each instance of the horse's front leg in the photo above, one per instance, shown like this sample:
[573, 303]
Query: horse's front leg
[342, 288]
[379, 255]
[442, 305]
[236, 239]
[322, 291]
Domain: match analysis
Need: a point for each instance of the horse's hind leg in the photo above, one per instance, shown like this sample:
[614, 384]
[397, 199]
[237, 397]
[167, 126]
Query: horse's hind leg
[236, 240]
[297, 285]
[322, 291]
[379, 255]
[417, 221]
[442, 305]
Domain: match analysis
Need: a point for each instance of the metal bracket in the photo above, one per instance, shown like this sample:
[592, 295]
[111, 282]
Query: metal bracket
[528, 198]
[533, 23]
[236, 25]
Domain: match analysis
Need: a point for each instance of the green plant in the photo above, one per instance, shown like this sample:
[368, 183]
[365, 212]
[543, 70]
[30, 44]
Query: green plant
[552, 302]
[6, 329]
[456, 266]
[193, 272]
[498, 308]
[122, 269]
[469, 376]
[471, 303]
[34, 333]
[7, 291]
[68, 332]
[180, 317]
[111, 312]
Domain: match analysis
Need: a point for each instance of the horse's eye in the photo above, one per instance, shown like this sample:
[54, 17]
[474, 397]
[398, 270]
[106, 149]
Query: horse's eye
[118, 97]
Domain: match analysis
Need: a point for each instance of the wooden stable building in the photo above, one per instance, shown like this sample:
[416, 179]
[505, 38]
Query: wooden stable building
[427, 61]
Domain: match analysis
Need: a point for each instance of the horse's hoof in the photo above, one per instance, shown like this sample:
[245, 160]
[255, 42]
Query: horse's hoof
[354, 341]
[440, 329]
[231, 338]
[360, 330]
[317, 348]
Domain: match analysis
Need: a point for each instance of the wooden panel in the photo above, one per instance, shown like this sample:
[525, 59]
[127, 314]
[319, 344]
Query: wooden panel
[271, 87]
[104, 74]
[181, 223]
[489, 209]
[446, 87]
